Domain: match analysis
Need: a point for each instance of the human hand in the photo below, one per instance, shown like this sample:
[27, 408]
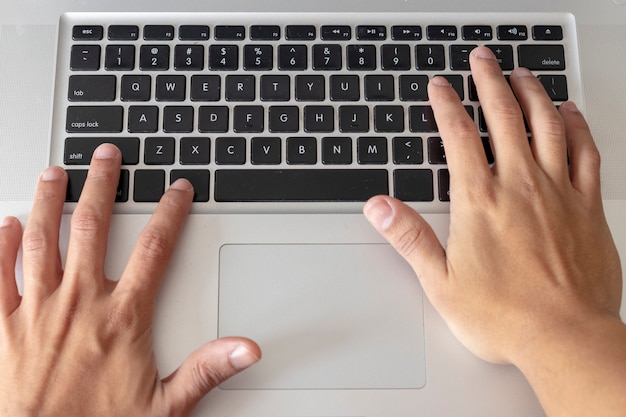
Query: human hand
[79, 344]
[530, 273]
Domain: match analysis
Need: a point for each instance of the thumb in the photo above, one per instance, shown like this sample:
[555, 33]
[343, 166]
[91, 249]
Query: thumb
[410, 235]
[205, 369]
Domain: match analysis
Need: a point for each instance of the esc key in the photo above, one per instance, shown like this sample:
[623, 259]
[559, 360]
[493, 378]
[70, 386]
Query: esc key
[87, 33]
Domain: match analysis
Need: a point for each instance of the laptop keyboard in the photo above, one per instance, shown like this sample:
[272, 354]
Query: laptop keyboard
[272, 112]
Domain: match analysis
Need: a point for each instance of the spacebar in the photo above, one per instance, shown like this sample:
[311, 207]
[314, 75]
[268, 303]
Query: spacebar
[256, 185]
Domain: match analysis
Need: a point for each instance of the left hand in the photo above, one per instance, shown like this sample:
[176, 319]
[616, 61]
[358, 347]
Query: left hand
[79, 344]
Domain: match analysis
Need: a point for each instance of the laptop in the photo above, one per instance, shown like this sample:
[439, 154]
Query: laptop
[344, 327]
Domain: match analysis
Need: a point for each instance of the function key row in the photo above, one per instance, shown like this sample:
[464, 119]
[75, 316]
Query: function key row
[309, 32]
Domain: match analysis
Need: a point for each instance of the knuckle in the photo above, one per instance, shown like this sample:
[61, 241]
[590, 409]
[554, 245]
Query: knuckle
[154, 243]
[207, 377]
[88, 220]
[35, 240]
[407, 241]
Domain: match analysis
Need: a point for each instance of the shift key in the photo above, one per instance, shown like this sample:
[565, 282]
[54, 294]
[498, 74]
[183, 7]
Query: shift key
[94, 119]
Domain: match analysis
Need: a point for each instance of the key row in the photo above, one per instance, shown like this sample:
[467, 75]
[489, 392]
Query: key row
[237, 88]
[253, 119]
[295, 57]
[309, 32]
[332, 150]
[280, 185]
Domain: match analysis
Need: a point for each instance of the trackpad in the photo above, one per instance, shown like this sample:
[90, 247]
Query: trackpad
[325, 316]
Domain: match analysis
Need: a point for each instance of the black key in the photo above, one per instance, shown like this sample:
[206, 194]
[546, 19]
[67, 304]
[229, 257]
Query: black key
[91, 88]
[171, 87]
[300, 32]
[336, 151]
[249, 119]
[372, 150]
[430, 57]
[488, 150]
[206, 87]
[310, 88]
[213, 119]
[336, 33]
[266, 151]
[78, 151]
[195, 151]
[224, 57]
[555, 85]
[379, 88]
[143, 119]
[396, 57]
[327, 57]
[292, 57]
[189, 57]
[136, 88]
[345, 88]
[441, 33]
[230, 151]
[258, 57]
[76, 181]
[407, 150]
[230, 33]
[354, 119]
[199, 178]
[422, 119]
[414, 87]
[436, 152]
[456, 81]
[158, 32]
[504, 56]
[547, 33]
[154, 57]
[542, 57]
[85, 58]
[193, 33]
[512, 32]
[240, 87]
[413, 184]
[265, 32]
[94, 119]
[300, 185]
[301, 151]
[87, 33]
[149, 185]
[275, 87]
[443, 176]
[459, 57]
[119, 57]
[284, 119]
[477, 33]
[178, 119]
[319, 119]
[389, 118]
[371, 33]
[361, 57]
[159, 151]
[123, 33]
[406, 33]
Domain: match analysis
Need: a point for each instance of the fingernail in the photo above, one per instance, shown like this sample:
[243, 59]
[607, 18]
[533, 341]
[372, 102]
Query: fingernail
[7, 221]
[379, 213]
[484, 53]
[106, 151]
[182, 185]
[570, 106]
[522, 72]
[242, 357]
[52, 174]
[440, 81]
